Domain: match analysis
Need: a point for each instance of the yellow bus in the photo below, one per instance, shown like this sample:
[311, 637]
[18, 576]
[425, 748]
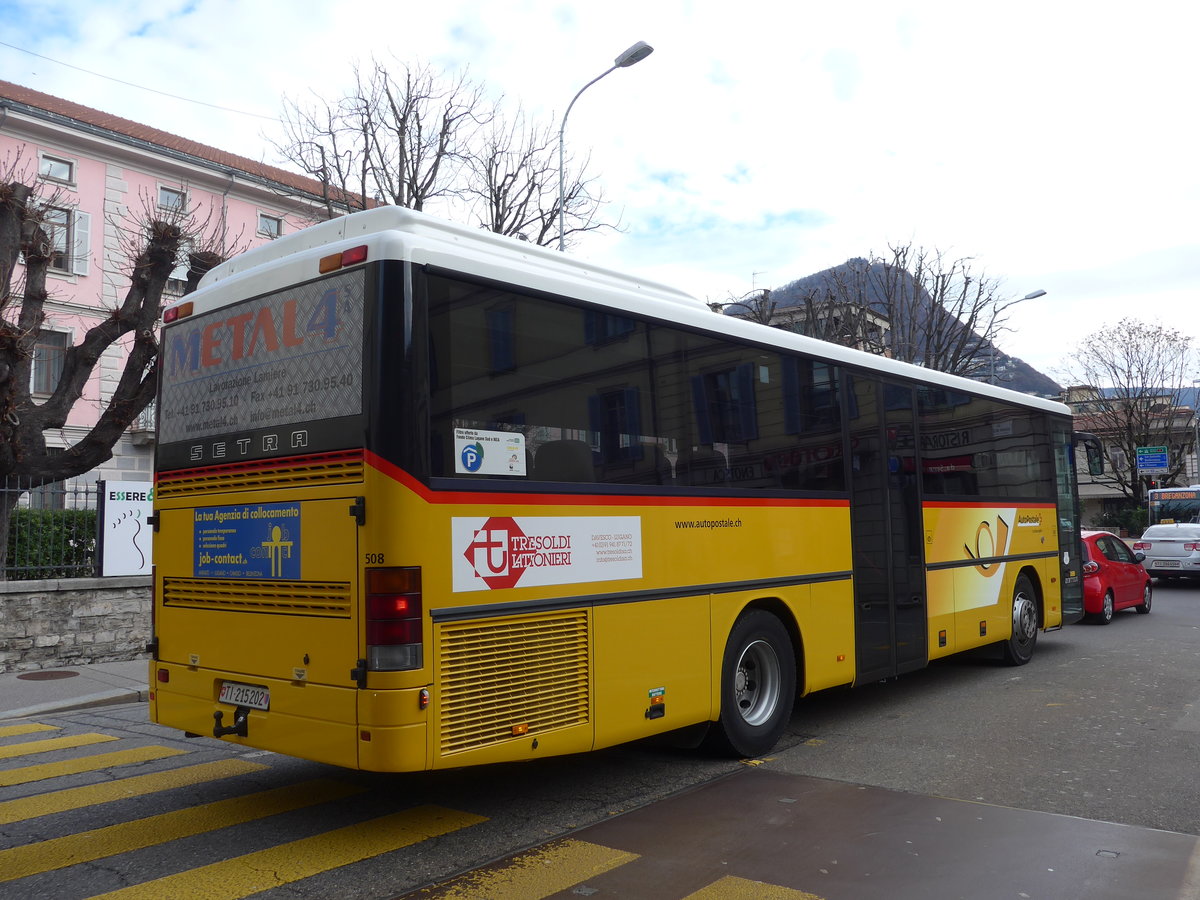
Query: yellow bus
[428, 497]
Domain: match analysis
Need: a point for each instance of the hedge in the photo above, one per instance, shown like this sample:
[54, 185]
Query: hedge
[51, 543]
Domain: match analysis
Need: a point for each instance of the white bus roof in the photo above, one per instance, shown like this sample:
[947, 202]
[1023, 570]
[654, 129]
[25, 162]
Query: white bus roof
[392, 232]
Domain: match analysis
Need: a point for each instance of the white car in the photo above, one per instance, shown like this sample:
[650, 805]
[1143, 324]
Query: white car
[1172, 551]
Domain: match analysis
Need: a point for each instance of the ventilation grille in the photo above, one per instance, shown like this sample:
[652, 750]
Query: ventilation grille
[302, 471]
[523, 676]
[293, 598]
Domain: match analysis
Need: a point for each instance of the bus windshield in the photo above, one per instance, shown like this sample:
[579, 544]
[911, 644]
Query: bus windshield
[1171, 505]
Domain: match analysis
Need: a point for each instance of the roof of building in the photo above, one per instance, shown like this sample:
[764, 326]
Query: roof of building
[56, 107]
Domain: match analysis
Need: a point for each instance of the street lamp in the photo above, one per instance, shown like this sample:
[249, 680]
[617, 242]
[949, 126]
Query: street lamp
[632, 56]
[1032, 295]
[1196, 430]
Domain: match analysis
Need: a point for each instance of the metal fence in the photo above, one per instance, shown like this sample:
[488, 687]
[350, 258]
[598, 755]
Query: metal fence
[52, 531]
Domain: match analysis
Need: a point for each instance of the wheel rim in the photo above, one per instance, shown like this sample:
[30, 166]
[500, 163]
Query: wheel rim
[757, 682]
[1108, 605]
[1024, 618]
[1146, 592]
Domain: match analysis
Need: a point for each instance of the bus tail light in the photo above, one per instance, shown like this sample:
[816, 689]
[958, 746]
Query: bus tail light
[395, 627]
[335, 261]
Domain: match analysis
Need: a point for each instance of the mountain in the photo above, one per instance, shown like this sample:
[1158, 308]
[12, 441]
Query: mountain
[859, 281]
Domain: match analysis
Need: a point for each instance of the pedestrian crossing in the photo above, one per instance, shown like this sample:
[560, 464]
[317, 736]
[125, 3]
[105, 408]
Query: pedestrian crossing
[45, 772]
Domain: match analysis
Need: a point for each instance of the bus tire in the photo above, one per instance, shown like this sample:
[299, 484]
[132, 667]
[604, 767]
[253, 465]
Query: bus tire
[1018, 649]
[758, 685]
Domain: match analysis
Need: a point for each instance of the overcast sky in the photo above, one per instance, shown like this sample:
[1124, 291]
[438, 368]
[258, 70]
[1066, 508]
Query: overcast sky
[1054, 142]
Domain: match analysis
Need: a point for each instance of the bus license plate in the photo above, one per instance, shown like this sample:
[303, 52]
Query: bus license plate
[245, 695]
[1166, 564]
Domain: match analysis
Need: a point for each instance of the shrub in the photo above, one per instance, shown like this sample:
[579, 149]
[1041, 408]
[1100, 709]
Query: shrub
[51, 543]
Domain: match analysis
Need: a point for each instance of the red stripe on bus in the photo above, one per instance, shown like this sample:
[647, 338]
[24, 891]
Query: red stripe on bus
[394, 472]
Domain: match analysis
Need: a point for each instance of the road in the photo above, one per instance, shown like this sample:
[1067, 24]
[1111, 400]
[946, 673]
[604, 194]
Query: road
[1102, 725]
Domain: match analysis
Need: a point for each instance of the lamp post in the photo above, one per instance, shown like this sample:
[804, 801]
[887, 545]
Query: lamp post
[1195, 431]
[1032, 295]
[632, 56]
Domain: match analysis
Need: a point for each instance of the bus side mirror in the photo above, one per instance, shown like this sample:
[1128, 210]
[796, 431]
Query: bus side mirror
[1094, 450]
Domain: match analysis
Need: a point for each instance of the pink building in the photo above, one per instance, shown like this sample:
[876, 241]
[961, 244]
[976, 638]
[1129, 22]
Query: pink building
[103, 172]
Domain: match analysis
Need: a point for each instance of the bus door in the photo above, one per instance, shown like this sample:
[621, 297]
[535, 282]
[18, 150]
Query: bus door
[885, 520]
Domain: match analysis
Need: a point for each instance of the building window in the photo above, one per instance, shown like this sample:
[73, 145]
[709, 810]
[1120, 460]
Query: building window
[68, 231]
[54, 168]
[57, 223]
[725, 405]
[52, 495]
[270, 226]
[177, 280]
[170, 198]
[49, 353]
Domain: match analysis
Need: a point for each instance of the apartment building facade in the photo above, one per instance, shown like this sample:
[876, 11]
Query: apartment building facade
[102, 176]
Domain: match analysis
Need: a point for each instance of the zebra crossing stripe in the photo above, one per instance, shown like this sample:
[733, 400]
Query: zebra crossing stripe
[26, 774]
[28, 728]
[24, 808]
[733, 888]
[72, 849]
[12, 751]
[290, 862]
[536, 874]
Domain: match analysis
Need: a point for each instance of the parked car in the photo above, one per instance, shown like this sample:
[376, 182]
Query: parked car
[1113, 577]
[1172, 551]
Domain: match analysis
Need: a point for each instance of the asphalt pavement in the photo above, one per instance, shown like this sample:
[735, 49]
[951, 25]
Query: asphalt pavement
[41, 691]
[938, 846]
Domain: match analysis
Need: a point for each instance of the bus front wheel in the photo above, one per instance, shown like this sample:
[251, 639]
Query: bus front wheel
[1018, 649]
[758, 685]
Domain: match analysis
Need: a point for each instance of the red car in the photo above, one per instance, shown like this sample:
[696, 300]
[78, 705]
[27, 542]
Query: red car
[1113, 577]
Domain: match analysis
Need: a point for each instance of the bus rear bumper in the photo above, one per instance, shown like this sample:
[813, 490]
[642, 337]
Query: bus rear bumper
[305, 720]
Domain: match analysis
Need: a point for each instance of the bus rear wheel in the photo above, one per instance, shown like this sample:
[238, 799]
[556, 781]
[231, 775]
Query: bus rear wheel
[1018, 649]
[758, 685]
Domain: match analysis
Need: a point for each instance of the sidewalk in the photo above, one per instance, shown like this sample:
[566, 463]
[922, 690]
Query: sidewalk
[44, 691]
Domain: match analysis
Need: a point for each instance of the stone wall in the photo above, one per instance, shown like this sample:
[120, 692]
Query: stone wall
[73, 621]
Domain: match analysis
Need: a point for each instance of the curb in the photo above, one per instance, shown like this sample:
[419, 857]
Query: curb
[103, 698]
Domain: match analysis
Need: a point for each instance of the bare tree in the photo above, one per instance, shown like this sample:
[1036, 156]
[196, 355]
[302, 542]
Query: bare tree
[409, 136]
[400, 136]
[757, 306]
[27, 229]
[513, 183]
[1130, 377]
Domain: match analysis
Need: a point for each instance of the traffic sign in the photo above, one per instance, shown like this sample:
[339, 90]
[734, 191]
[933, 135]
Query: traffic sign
[1152, 460]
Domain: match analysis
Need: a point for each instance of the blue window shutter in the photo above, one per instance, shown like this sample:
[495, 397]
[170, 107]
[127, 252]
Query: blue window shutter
[747, 412]
[792, 418]
[596, 419]
[633, 423]
[700, 402]
[500, 339]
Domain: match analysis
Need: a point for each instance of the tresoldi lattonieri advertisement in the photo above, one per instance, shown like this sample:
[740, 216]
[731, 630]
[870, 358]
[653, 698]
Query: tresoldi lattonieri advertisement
[505, 551]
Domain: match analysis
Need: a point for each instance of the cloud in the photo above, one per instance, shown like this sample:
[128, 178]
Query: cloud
[1054, 147]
